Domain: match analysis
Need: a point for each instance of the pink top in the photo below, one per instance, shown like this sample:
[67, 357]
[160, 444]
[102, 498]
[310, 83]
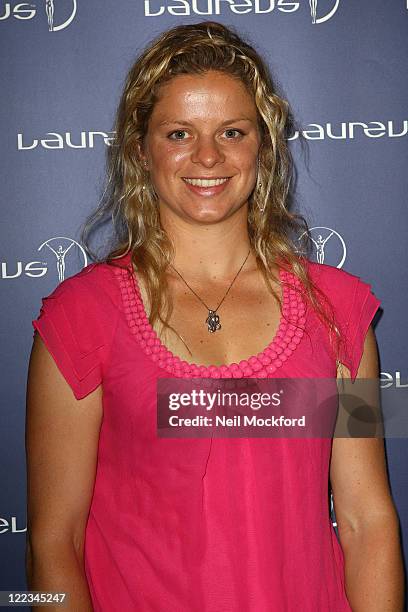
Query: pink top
[202, 525]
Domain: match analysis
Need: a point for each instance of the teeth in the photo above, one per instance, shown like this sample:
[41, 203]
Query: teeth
[205, 182]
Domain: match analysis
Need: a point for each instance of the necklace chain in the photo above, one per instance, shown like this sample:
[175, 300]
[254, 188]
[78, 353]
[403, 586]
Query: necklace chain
[213, 319]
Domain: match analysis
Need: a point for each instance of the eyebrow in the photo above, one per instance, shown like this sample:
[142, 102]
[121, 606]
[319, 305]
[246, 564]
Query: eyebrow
[181, 122]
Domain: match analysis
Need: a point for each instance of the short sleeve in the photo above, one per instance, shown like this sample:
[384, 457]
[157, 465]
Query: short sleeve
[364, 305]
[354, 306]
[74, 326]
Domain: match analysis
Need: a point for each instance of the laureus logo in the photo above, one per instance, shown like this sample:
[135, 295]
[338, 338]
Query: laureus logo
[315, 11]
[184, 8]
[327, 244]
[50, 10]
[58, 249]
[60, 246]
[59, 14]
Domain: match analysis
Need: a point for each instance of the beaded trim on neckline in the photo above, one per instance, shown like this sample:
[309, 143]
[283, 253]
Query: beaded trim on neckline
[262, 365]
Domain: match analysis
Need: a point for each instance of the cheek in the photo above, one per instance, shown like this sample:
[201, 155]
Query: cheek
[245, 157]
[166, 158]
[167, 166]
[247, 165]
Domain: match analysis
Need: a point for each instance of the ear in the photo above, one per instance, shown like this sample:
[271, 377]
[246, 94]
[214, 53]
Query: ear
[142, 156]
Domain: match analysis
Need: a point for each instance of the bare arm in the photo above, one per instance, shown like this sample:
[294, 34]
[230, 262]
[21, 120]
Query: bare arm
[61, 443]
[366, 516]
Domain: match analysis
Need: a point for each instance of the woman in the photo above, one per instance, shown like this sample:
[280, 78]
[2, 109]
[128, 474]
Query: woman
[203, 281]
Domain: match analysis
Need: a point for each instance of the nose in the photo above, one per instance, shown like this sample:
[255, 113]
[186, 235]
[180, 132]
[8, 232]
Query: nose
[207, 152]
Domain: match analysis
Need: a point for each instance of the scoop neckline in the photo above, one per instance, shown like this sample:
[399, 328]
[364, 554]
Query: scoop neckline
[262, 365]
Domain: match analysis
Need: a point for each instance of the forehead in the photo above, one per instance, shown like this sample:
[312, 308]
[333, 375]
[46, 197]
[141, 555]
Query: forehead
[213, 91]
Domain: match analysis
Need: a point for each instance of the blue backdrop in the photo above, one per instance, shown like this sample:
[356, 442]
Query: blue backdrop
[342, 67]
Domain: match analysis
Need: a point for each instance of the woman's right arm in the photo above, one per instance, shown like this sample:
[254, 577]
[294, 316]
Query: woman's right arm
[62, 436]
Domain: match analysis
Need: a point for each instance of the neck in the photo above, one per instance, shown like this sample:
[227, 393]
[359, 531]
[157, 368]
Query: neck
[209, 251]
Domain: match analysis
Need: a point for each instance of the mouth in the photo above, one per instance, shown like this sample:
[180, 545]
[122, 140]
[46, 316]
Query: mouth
[206, 182]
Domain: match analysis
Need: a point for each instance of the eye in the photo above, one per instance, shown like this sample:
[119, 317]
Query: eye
[232, 134]
[177, 133]
[233, 130]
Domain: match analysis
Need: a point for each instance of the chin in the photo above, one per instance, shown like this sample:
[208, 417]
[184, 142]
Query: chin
[201, 212]
[208, 216]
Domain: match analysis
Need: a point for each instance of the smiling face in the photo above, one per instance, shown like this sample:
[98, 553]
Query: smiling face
[201, 147]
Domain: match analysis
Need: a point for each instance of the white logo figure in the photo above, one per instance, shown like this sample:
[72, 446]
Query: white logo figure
[60, 253]
[313, 9]
[313, 12]
[320, 243]
[49, 9]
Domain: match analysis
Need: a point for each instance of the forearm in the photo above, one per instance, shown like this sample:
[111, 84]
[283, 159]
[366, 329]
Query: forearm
[374, 573]
[59, 569]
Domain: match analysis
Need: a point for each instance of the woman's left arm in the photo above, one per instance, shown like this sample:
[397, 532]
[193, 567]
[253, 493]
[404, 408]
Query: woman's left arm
[367, 520]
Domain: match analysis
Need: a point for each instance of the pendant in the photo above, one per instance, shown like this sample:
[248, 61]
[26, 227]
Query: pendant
[213, 321]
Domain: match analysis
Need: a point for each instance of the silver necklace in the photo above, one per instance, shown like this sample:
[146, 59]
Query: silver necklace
[213, 319]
